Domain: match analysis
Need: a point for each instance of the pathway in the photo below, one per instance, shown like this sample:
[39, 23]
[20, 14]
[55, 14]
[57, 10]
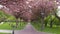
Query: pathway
[29, 29]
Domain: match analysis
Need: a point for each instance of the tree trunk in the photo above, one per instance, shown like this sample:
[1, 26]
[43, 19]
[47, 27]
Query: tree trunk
[51, 24]
[45, 24]
[51, 21]
[20, 22]
[42, 24]
[16, 23]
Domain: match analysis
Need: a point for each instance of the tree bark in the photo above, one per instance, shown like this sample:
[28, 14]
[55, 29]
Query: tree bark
[42, 24]
[51, 24]
[45, 24]
[16, 23]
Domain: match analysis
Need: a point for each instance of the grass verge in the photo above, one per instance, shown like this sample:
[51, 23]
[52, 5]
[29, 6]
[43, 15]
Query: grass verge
[4, 33]
[53, 30]
[8, 26]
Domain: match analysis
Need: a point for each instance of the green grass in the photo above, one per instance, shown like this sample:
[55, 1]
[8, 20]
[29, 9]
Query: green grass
[4, 33]
[53, 30]
[6, 26]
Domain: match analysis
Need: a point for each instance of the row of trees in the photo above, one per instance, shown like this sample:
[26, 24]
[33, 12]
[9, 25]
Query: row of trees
[29, 10]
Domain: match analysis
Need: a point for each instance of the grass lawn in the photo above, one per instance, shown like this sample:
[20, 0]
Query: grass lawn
[53, 30]
[4, 33]
[6, 26]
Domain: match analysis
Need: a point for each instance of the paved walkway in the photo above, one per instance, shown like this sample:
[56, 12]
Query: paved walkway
[29, 29]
